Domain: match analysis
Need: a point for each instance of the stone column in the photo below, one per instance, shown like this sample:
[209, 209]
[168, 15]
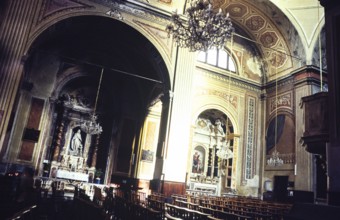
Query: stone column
[332, 25]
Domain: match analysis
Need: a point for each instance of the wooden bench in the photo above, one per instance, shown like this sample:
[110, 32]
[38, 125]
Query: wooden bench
[169, 217]
[185, 213]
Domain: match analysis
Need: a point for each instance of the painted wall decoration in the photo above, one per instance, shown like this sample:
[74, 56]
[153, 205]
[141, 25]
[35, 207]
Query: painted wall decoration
[147, 155]
[250, 137]
[283, 101]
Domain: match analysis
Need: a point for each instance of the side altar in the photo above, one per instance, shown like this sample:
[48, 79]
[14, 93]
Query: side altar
[74, 149]
[211, 153]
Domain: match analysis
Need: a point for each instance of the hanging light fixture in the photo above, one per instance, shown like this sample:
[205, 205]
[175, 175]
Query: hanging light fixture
[275, 159]
[225, 152]
[91, 126]
[202, 29]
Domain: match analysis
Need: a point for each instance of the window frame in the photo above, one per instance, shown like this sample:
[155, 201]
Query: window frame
[203, 59]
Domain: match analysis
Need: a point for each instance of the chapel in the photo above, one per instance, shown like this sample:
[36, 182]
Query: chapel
[134, 109]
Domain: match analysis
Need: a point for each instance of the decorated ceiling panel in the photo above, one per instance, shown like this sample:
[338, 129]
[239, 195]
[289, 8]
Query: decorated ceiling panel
[261, 28]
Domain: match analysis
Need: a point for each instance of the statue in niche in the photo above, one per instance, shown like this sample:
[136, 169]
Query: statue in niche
[218, 129]
[76, 145]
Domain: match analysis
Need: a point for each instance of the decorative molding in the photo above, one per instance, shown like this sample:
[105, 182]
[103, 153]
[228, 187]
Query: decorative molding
[249, 154]
[53, 7]
[263, 30]
[234, 81]
[160, 35]
[135, 10]
[115, 14]
[283, 101]
[232, 99]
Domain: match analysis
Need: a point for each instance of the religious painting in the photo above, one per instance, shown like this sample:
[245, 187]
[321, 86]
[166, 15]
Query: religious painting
[198, 160]
[147, 155]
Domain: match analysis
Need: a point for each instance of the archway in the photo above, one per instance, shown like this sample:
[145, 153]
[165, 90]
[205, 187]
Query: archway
[63, 70]
[210, 170]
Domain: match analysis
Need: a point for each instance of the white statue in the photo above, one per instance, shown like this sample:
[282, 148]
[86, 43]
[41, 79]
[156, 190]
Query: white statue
[76, 147]
[218, 128]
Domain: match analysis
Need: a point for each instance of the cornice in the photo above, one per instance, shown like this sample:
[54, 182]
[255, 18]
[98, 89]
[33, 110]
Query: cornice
[308, 68]
[234, 81]
[141, 10]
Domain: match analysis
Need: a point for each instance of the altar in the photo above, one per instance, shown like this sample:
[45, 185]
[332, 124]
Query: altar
[203, 189]
[64, 174]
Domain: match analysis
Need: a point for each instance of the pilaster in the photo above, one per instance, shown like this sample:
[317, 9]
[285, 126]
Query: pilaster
[14, 31]
[176, 151]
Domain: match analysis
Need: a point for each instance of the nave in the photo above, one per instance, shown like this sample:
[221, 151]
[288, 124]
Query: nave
[125, 204]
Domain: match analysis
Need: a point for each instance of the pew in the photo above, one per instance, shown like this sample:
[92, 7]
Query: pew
[169, 217]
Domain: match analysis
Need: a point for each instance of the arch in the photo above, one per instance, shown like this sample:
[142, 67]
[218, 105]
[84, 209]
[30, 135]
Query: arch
[286, 129]
[163, 62]
[200, 105]
[51, 36]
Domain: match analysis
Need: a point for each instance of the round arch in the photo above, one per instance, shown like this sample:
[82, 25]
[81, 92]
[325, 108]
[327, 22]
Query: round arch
[45, 24]
[201, 104]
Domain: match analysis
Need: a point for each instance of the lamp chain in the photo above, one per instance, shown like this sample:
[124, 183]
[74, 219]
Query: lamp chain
[229, 76]
[100, 82]
[275, 99]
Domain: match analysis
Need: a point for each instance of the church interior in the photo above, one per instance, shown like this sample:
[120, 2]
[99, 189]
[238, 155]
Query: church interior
[109, 110]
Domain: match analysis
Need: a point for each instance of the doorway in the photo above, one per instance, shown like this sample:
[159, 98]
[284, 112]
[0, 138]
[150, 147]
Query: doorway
[280, 188]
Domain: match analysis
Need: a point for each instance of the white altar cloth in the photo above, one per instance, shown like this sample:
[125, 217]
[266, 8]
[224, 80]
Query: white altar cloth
[64, 174]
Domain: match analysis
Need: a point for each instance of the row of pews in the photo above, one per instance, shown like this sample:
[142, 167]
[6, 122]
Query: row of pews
[135, 205]
[214, 207]
[234, 207]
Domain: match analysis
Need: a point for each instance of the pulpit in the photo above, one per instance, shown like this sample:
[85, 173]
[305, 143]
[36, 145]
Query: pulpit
[316, 133]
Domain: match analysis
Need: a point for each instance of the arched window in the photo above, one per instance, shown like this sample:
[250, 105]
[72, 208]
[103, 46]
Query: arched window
[219, 58]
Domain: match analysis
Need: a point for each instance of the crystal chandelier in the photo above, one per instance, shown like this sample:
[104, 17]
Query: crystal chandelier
[274, 159]
[91, 126]
[224, 153]
[202, 29]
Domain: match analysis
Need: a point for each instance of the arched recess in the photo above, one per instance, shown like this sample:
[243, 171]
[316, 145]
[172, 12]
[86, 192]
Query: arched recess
[204, 124]
[285, 137]
[73, 52]
[212, 102]
[211, 160]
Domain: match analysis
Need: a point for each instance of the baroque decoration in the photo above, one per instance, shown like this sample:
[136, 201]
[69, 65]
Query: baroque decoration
[202, 29]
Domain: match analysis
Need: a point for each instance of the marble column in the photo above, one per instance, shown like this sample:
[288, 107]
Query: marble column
[332, 26]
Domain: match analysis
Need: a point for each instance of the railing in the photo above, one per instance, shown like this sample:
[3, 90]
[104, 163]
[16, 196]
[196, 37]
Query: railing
[287, 158]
